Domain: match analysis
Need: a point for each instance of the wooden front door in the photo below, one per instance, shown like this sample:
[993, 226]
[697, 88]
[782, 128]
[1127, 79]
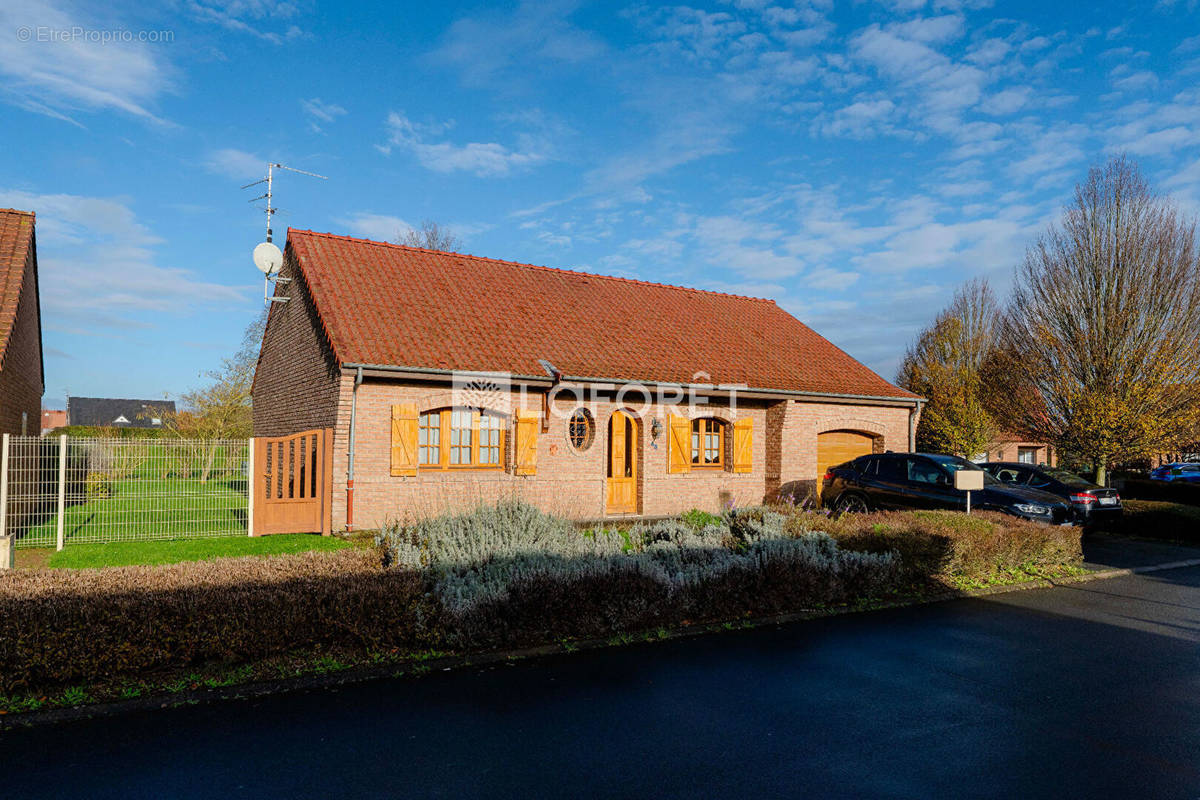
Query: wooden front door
[621, 479]
[292, 479]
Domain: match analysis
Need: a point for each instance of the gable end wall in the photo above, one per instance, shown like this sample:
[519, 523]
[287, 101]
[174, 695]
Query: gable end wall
[296, 382]
[21, 372]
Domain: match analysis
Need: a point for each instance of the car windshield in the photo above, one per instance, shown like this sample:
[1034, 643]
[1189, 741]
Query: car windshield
[953, 464]
[1066, 478]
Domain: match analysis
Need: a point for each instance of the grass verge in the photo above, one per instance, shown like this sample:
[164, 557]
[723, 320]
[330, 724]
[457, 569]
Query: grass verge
[176, 551]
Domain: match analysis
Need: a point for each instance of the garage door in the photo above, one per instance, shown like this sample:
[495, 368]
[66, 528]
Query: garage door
[837, 447]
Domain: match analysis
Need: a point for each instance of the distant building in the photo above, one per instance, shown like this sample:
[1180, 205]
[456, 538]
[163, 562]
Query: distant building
[52, 419]
[1011, 446]
[21, 376]
[108, 412]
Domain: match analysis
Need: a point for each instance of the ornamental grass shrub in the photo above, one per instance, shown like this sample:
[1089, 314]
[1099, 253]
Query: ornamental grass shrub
[951, 548]
[68, 626]
[510, 574]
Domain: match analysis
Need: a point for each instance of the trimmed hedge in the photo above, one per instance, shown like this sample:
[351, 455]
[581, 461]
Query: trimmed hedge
[949, 548]
[1158, 520]
[504, 575]
[1165, 491]
[64, 626]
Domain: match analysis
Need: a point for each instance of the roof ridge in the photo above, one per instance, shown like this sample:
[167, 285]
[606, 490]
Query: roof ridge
[581, 273]
[18, 211]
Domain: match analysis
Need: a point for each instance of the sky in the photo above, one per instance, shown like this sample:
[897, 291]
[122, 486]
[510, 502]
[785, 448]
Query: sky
[853, 161]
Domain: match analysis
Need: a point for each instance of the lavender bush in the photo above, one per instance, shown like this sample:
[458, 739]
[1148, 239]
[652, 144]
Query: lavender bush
[500, 563]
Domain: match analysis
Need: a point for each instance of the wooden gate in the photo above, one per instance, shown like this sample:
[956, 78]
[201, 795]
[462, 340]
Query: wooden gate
[293, 483]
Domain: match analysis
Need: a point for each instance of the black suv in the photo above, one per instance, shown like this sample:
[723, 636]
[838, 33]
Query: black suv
[1091, 503]
[925, 480]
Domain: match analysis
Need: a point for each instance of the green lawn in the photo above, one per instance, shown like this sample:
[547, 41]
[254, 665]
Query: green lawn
[172, 551]
[149, 509]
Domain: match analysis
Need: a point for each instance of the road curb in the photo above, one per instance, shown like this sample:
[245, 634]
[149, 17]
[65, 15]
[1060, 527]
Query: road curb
[356, 675]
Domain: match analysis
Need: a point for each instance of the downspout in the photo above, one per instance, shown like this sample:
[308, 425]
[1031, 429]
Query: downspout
[358, 376]
[913, 413]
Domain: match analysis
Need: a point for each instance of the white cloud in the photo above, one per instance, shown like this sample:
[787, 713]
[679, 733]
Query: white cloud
[379, 227]
[237, 164]
[942, 88]
[98, 265]
[1007, 101]
[1136, 82]
[58, 78]
[483, 159]
[249, 16]
[321, 112]
[931, 30]
[859, 120]
[487, 43]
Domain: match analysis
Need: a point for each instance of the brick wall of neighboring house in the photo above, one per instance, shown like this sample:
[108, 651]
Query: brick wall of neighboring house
[53, 418]
[1009, 450]
[573, 483]
[21, 371]
[297, 379]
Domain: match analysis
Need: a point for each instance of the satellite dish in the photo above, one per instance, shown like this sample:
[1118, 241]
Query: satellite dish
[268, 258]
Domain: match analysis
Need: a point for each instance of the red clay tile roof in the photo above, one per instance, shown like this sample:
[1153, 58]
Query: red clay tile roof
[387, 304]
[16, 239]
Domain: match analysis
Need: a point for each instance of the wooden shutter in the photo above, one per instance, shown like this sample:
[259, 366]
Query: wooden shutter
[679, 444]
[404, 439]
[525, 450]
[743, 445]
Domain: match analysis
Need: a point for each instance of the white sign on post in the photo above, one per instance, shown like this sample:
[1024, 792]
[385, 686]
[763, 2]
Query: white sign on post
[968, 480]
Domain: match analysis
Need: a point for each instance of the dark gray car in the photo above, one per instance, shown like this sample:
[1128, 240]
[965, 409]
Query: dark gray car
[925, 480]
[1091, 503]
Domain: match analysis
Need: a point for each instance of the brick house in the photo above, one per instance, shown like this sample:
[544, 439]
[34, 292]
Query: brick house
[53, 418]
[1017, 447]
[22, 378]
[450, 379]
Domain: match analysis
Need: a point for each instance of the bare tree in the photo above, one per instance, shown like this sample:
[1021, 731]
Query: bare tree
[1099, 350]
[432, 236]
[220, 410]
[945, 365]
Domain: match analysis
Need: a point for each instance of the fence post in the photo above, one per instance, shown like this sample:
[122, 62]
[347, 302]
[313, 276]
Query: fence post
[7, 544]
[62, 485]
[250, 489]
[4, 487]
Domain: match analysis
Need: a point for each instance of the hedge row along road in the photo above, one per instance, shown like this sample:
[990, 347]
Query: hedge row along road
[1083, 690]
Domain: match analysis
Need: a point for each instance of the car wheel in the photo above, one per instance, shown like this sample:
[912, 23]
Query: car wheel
[852, 504]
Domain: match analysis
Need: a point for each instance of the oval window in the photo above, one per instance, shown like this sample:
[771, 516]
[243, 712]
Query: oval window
[581, 429]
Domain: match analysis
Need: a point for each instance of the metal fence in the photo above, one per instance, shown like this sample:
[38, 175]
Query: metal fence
[64, 490]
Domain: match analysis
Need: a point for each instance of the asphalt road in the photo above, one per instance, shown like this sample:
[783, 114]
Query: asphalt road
[1092, 690]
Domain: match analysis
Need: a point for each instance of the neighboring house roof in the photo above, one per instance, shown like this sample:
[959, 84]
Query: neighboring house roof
[109, 411]
[17, 251]
[392, 305]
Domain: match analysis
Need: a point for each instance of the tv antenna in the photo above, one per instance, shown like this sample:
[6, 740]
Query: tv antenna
[267, 255]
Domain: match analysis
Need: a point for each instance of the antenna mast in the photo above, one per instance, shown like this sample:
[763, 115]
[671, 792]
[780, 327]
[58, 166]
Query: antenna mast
[267, 256]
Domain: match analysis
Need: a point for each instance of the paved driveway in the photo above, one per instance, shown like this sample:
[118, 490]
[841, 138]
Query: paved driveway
[1092, 690]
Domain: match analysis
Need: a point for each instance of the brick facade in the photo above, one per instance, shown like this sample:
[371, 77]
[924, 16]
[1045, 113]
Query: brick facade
[21, 380]
[297, 380]
[572, 483]
[1009, 449]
